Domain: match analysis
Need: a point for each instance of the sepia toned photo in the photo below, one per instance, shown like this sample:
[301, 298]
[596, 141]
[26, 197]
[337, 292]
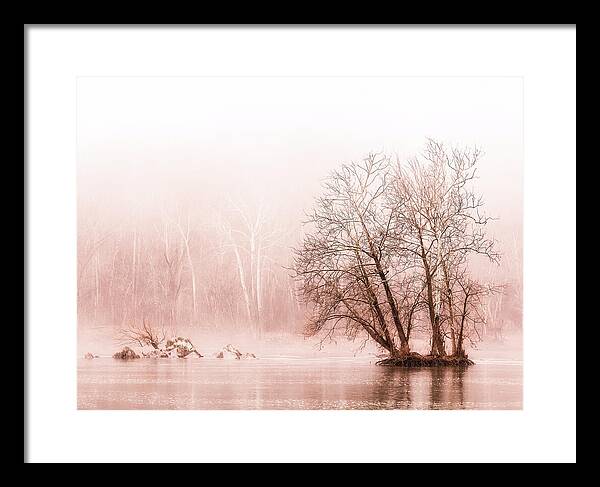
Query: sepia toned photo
[299, 243]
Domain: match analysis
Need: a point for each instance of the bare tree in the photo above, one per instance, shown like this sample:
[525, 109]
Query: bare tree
[170, 280]
[440, 223]
[346, 265]
[388, 243]
[184, 231]
[504, 309]
[249, 236]
[143, 335]
[469, 301]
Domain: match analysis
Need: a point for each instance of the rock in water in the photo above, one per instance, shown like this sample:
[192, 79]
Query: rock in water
[89, 355]
[182, 347]
[248, 355]
[126, 354]
[230, 352]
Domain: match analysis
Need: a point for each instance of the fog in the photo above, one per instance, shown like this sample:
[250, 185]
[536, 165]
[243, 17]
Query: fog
[192, 191]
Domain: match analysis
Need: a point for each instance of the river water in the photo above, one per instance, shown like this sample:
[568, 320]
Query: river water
[294, 383]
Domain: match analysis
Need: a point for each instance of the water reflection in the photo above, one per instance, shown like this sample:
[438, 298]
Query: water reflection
[437, 386]
[457, 391]
[393, 388]
[430, 388]
[298, 384]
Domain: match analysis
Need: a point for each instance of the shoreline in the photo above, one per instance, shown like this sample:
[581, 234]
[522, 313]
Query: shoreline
[423, 362]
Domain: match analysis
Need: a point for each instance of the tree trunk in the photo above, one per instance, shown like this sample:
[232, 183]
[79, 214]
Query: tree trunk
[96, 285]
[376, 307]
[453, 335]
[258, 291]
[185, 236]
[460, 351]
[450, 307]
[134, 273]
[404, 346]
[193, 272]
[243, 281]
[437, 340]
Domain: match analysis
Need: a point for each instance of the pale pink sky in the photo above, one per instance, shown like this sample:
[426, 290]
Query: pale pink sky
[143, 139]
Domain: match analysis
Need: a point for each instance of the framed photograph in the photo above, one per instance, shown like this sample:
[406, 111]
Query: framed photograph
[250, 238]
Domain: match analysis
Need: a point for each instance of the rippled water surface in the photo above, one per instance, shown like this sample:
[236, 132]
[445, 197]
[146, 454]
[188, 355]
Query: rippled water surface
[280, 383]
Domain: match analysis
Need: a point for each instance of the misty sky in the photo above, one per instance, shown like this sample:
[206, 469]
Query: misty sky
[209, 139]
